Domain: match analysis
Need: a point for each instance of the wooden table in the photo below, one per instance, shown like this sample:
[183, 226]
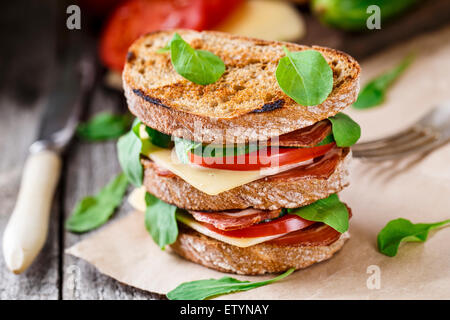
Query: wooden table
[27, 70]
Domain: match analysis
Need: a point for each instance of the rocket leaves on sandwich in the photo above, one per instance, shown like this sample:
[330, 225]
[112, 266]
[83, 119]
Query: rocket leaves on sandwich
[104, 126]
[94, 211]
[345, 131]
[402, 230]
[129, 149]
[374, 92]
[330, 211]
[305, 76]
[183, 146]
[203, 289]
[199, 66]
[160, 221]
[131, 145]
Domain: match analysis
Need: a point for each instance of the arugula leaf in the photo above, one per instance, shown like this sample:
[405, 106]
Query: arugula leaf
[160, 220]
[373, 93]
[104, 126]
[400, 230]
[345, 131]
[158, 138]
[305, 76]
[199, 66]
[330, 211]
[92, 212]
[202, 289]
[129, 149]
[328, 139]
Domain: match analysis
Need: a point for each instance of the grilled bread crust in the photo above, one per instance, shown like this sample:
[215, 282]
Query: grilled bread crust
[258, 259]
[245, 104]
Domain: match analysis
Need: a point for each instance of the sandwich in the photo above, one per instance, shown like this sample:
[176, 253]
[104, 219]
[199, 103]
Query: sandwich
[240, 148]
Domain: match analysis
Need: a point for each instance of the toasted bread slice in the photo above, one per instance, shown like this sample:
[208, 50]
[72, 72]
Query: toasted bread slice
[258, 259]
[266, 193]
[246, 103]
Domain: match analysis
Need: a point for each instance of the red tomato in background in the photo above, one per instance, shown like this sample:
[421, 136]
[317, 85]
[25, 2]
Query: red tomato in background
[134, 18]
[98, 8]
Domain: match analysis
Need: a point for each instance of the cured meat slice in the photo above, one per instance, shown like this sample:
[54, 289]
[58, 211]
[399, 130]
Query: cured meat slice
[234, 219]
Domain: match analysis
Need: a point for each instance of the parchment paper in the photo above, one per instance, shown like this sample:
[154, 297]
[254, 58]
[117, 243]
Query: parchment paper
[416, 188]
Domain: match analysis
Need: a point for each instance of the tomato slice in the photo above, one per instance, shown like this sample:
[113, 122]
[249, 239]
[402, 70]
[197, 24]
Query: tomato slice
[285, 224]
[219, 10]
[134, 18]
[271, 157]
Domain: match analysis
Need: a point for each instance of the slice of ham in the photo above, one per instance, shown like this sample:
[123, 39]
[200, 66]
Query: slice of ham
[322, 167]
[305, 137]
[234, 219]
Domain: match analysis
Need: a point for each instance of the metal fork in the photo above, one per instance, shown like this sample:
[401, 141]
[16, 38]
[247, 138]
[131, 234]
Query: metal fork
[431, 131]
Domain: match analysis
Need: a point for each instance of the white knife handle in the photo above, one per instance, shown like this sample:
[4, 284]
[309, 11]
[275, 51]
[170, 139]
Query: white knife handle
[26, 231]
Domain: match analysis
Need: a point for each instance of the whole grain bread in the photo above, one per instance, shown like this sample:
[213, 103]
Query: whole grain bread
[246, 103]
[266, 193]
[258, 259]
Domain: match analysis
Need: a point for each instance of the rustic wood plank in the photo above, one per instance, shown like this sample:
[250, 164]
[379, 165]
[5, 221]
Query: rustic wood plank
[89, 167]
[24, 81]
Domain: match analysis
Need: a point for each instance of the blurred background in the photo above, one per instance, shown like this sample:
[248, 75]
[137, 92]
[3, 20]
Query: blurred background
[37, 44]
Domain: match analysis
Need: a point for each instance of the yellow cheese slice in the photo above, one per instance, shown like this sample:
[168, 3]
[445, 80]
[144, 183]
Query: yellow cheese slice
[239, 242]
[209, 181]
[269, 20]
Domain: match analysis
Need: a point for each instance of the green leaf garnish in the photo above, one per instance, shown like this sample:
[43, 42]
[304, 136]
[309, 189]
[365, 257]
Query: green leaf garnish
[402, 230]
[345, 131]
[160, 220]
[199, 66]
[104, 126]
[330, 211]
[374, 92]
[305, 76]
[92, 212]
[202, 289]
[129, 149]
[158, 138]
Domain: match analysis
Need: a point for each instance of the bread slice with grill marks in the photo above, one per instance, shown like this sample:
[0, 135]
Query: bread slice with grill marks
[246, 103]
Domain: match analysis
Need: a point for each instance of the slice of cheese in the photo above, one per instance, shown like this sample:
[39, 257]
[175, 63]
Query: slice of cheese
[239, 242]
[209, 181]
[137, 199]
[267, 20]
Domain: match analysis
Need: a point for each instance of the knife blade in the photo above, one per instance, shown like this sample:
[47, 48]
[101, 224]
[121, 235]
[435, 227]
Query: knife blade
[27, 228]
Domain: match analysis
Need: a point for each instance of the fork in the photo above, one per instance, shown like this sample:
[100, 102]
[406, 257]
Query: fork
[431, 131]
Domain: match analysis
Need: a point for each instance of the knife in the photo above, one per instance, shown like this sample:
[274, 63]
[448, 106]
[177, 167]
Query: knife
[26, 231]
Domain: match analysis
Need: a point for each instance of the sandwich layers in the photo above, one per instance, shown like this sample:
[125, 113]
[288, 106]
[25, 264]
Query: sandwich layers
[250, 175]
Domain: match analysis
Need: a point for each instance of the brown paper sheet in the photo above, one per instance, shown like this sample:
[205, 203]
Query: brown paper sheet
[416, 188]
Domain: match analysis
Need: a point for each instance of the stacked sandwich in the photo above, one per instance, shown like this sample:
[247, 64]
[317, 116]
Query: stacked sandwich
[235, 172]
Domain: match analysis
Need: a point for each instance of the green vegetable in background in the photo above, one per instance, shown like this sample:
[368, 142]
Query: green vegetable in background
[330, 211]
[345, 131]
[160, 220]
[374, 92]
[305, 76]
[104, 126]
[352, 14]
[202, 289]
[199, 66]
[92, 212]
[129, 149]
[402, 230]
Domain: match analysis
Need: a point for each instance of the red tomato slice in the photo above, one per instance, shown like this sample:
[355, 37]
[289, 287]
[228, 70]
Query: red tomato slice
[285, 224]
[134, 18]
[271, 158]
[219, 10]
